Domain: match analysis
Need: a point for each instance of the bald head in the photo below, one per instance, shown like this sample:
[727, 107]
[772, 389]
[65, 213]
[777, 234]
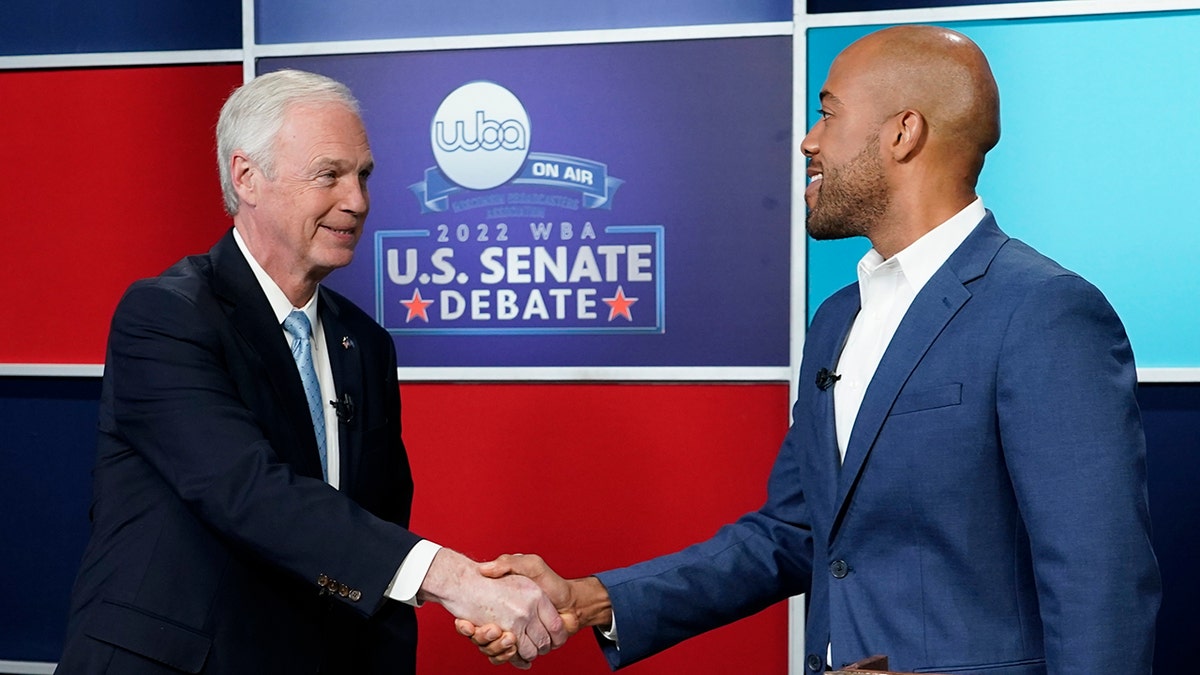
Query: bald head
[939, 73]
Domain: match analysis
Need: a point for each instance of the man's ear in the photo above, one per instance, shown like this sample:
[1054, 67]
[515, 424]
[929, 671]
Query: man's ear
[246, 176]
[906, 134]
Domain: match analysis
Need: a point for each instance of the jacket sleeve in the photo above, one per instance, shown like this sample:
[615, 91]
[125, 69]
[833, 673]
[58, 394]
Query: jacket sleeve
[762, 558]
[175, 403]
[1072, 439]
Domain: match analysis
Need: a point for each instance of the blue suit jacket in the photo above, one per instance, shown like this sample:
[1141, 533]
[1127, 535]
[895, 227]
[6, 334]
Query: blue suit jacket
[991, 514]
[216, 546]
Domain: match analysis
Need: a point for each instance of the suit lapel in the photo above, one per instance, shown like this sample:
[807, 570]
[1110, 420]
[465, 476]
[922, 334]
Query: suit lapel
[933, 308]
[252, 317]
[823, 344]
[345, 359]
[827, 420]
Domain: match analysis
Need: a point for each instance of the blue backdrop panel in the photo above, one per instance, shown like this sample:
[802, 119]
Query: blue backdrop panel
[314, 21]
[1095, 166]
[47, 449]
[823, 6]
[86, 26]
[675, 155]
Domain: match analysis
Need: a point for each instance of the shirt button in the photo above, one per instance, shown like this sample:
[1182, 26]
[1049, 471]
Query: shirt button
[839, 569]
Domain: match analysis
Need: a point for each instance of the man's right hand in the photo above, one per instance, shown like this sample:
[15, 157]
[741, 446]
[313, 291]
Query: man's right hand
[512, 603]
[580, 602]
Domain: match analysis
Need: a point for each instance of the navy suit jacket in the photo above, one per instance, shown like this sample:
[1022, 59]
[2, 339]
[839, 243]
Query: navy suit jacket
[216, 546]
[991, 515]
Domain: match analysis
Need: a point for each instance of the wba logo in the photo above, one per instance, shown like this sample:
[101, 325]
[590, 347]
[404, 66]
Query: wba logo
[512, 241]
[487, 135]
[480, 135]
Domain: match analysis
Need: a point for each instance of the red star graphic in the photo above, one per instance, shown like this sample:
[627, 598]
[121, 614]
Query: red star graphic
[619, 305]
[416, 306]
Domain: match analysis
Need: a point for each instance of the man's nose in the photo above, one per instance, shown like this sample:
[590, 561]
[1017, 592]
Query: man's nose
[356, 199]
[809, 145]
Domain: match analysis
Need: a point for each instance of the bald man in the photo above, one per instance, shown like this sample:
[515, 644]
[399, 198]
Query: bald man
[963, 488]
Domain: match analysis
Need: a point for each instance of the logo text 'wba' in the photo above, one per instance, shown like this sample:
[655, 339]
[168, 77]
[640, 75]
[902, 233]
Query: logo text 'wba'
[487, 135]
[480, 135]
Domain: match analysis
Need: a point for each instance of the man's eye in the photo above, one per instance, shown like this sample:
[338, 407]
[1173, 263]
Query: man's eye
[822, 113]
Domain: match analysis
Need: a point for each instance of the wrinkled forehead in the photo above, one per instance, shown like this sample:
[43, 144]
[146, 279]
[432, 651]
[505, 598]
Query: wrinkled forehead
[331, 111]
[323, 121]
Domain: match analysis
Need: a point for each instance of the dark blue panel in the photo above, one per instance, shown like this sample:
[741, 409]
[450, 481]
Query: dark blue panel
[314, 20]
[48, 430]
[85, 26]
[47, 448]
[1172, 417]
[824, 6]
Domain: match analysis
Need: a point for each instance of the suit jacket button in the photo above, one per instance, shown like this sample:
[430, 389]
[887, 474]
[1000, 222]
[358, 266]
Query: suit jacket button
[814, 663]
[322, 581]
[343, 590]
[355, 595]
[839, 569]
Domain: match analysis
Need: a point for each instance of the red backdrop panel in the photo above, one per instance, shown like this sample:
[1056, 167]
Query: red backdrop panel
[112, 177]
[593, 476]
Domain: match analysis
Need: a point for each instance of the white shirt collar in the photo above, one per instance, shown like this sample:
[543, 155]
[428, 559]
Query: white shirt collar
[275, 295]
[921, 259]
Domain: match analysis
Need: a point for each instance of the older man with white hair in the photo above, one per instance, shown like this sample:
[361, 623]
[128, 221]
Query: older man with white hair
[251, 489]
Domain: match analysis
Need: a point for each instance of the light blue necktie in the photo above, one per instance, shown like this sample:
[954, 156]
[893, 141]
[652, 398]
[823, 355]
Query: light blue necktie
[298, 326]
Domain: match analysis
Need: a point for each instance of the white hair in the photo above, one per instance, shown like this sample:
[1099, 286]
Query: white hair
[254, 113]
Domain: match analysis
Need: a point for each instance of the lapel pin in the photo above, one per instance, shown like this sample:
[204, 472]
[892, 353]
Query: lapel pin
[347, 343]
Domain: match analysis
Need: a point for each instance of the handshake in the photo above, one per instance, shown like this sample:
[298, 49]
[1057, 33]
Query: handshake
[515, 608]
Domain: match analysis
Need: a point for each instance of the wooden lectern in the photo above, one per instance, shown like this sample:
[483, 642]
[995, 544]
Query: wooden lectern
[872, 665]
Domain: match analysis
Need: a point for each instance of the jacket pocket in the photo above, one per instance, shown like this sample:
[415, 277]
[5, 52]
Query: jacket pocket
[928, 399]
[149, 635]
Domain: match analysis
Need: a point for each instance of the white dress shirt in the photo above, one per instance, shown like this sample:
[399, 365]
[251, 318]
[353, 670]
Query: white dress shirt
[886, 290]
[416, 564]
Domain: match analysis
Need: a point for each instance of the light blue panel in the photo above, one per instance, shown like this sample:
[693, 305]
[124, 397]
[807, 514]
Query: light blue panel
[1096, 166]
[281, 21]
[831, 264]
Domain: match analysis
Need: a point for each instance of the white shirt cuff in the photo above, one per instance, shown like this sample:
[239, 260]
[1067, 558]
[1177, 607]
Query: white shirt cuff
[412, 573]
[611, 633]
